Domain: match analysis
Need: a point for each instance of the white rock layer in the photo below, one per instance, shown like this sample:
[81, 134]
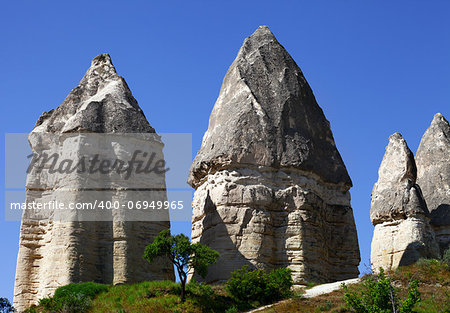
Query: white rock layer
[269, 219]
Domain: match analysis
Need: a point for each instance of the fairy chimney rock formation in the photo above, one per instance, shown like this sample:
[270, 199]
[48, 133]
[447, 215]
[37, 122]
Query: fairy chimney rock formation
[398, 211]
[100, 117]
[271, 187]
[433, 176]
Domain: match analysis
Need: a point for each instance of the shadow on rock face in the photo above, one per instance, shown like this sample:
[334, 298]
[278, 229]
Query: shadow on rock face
[441, 215]
[95, 252]
[413, 252]
[440, 221]
[216, 236]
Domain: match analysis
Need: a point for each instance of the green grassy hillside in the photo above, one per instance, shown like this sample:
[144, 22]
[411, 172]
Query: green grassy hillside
[163, 296]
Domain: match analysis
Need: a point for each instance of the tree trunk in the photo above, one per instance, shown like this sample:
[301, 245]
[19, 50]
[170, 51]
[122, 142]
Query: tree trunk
[183, 278]
[183, 290]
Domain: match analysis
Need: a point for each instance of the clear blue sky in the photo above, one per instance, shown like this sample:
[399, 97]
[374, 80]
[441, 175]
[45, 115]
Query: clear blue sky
[376, 67]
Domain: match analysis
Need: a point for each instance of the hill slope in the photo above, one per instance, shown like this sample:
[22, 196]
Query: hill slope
[163, 296]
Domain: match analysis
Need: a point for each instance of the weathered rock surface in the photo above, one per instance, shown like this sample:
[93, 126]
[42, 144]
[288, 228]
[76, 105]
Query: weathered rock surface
[433, 176]
[271, 187]
[101, 103]
[398, 211]
[60, 248]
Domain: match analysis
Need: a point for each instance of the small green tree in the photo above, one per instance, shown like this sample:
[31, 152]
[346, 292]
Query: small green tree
[183, 254]
[379, 296]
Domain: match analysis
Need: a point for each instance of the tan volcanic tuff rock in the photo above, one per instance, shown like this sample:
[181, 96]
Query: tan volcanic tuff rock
[58, 248]
[271, 188]
[398, 211]
[433, 176]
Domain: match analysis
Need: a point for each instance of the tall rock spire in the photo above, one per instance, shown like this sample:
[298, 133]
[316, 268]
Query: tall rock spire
[433, 176]
[398, 211]
[98, 244]
[271, 186]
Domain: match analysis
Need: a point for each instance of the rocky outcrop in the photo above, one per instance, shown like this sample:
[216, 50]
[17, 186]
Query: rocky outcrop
[398, 211]
[100, 117]
[271, 187]
[433, 176]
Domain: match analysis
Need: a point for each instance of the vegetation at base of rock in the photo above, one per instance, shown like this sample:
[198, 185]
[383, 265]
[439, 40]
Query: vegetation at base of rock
[88, 289]
[158, 296]
[434, 287]
[446, 256]
[72, 298]
[258, 286]
[183, 254]
[5, 306]
[378, 295]
[164, 296]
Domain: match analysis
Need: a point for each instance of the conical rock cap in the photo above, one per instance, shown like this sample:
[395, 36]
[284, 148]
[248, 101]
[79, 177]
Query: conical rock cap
[266, 115]
[102, 103]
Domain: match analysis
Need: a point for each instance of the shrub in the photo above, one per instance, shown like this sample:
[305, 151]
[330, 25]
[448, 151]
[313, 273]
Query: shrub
[31, 309]
[71, 303]
[379, 296]
[424, 263]
[73, 298]
[430, 268]
[232, 309]
[257, 285]
[5, 306]
[446, 256]
[88, 289]
[279, 284]
[246, 285]
[197, 289]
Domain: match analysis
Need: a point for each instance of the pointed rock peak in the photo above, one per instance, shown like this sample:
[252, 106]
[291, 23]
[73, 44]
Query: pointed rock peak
[266, 115]
[261, 39]
[398, 163]
[262, 33]
[263, 29]
[438, 116]
[397, 139]
[395, 195]
[101, 69]
[102, 102]
[101, 59]
[440, 121]
[439, 131]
